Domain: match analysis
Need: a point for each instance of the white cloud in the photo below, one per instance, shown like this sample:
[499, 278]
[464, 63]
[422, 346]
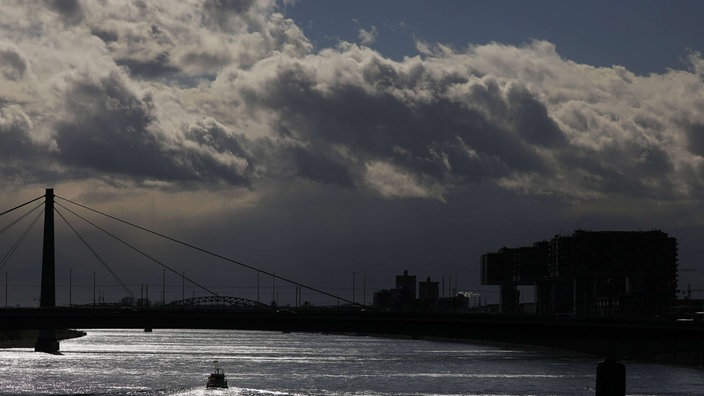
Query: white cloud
[392, 182]
[233, 92]
[367, 36]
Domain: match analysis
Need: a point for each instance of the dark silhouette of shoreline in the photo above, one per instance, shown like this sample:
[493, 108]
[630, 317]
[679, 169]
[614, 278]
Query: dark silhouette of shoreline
[27, 338]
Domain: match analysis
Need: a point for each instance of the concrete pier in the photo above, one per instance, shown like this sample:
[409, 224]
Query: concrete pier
[46, 340]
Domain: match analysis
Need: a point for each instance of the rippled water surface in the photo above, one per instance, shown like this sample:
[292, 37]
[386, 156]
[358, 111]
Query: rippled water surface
[177, 362]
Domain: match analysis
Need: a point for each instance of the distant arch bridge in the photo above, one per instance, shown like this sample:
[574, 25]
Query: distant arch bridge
[218, 300]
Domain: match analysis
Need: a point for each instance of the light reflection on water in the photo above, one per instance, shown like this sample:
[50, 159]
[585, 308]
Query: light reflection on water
[177, 362]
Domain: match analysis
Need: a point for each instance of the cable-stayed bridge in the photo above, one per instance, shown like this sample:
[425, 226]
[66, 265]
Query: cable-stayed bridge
[66, 208]
[616, 338]
[54, 204]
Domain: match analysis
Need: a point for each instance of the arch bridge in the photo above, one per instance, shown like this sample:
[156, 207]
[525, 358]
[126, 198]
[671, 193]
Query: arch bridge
[218, 300]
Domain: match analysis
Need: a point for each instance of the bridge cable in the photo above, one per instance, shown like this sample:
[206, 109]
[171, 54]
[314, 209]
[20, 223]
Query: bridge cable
[210, 253]
[20, 240]
[7, 227]
[137, 250]
[19, 206]
[97, 256]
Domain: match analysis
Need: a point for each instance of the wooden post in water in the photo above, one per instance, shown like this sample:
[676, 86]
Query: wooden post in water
[46, 340]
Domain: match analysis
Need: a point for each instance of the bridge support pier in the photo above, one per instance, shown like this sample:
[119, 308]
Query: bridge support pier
[46, 340]
[610, 378]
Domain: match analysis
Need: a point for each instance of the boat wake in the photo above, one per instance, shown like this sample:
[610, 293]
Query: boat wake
[232, 391]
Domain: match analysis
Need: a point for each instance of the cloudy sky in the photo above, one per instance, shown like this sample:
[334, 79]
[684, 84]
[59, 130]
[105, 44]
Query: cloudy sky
[318, 139]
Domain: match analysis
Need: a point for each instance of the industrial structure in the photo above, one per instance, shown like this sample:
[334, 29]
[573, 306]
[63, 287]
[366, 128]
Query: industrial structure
[589, 274]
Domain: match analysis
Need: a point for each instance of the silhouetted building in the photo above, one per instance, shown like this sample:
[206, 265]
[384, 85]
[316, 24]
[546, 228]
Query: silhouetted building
[406, 285]
[428, 295]
[402, 298]
[511, 267]
[589, 273]
[386, 299]
[428, 290]
[497, 268]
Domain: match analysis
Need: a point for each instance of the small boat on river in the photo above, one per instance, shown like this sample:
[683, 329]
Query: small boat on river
[217, 378]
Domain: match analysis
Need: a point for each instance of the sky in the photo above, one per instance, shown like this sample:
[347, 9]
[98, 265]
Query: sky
[341, 143]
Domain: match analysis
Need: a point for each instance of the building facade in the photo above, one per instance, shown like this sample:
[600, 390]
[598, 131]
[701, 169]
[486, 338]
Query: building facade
[589, 273]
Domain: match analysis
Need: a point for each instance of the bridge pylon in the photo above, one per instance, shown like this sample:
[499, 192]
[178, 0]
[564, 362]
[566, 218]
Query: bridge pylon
[46, 340]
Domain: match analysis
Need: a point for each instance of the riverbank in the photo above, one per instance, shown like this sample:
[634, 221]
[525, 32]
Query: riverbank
[27, 338]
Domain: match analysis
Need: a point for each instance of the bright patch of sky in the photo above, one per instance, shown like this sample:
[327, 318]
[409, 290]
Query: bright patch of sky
[645, 36]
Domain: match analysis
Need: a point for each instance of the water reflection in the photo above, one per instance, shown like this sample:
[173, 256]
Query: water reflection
[177, 362]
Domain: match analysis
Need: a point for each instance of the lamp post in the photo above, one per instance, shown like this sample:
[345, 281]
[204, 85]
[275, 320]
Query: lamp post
[163, 287]
[354, 275]
[70, 286]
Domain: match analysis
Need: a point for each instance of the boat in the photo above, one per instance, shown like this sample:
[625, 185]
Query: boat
[217, 378]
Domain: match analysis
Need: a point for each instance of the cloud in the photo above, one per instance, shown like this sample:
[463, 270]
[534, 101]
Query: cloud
[70, 10]
[15, 137]
[395, 183]
[233, 92]
[13, 64]
[226, 109]
[109, 126]
[367, 37]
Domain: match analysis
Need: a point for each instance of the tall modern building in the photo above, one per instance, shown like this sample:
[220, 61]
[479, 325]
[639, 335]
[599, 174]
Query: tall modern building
[589, 273]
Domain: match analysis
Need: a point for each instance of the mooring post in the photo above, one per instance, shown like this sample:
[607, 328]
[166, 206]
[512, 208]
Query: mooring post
[610, 378]
[46, 340]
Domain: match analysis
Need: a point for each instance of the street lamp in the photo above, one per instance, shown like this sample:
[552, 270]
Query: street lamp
[353, 278]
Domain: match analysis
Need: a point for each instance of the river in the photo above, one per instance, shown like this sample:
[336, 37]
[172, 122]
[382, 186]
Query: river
[177, 362]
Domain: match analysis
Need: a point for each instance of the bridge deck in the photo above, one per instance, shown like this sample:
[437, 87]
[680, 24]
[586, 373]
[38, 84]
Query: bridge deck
[604, 338]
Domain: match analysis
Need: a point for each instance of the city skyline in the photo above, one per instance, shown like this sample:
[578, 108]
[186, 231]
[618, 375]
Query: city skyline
[319, 139]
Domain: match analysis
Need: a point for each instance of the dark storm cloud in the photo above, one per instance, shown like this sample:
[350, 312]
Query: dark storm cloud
[107, 129]
[695, 138]
[70, 10]
[214, 153]
[110, 129]
[145, 49]
[159, 67]
[443, 139]
[531, 120]
[23, 158]
[320, 169]
[15, 133]
[626, 171]
[12, 64]
[219, 12]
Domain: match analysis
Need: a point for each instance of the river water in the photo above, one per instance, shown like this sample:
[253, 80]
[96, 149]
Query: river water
[177, 362]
